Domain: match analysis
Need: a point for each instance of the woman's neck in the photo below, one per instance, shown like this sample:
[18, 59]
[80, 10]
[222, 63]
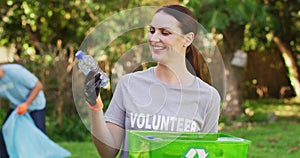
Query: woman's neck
[174, 75]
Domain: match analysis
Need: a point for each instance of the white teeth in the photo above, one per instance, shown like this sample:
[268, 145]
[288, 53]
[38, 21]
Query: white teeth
[158, 47]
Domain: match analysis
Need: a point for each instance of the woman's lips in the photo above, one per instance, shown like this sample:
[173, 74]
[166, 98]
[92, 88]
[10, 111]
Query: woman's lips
[156, 47]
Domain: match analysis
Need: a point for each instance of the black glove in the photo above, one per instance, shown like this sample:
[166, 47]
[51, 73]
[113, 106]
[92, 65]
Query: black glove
[91, 87]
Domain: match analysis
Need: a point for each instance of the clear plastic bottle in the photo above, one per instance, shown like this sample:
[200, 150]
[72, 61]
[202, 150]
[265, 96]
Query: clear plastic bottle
[86, 63]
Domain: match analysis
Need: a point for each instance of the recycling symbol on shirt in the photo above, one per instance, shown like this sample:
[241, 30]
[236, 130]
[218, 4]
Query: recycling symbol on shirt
[196, 153]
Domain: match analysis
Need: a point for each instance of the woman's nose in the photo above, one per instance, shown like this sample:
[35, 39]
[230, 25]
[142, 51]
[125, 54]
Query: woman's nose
[154, 37]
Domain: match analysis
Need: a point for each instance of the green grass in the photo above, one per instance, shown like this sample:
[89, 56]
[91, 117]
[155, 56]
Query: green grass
[278, 139]
[273, 128]
[80, 149]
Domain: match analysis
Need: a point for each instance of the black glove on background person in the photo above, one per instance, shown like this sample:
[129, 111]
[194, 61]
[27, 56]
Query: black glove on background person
[91, 87]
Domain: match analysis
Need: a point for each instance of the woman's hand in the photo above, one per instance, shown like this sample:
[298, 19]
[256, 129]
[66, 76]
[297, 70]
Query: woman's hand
[92, 90]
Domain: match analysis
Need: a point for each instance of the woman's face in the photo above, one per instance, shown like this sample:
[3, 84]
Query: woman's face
[165, 38]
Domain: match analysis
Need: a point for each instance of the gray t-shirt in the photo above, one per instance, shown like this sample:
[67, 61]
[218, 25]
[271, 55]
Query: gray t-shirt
[142, 102]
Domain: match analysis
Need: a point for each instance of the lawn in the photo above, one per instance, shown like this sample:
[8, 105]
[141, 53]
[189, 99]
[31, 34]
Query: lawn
[273, 128]
[80, 149]
[278, 139]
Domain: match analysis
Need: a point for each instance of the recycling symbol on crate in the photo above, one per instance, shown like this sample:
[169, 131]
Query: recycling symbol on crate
[196, 153]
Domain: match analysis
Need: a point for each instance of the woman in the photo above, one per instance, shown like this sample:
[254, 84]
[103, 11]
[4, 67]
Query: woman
[167, 97]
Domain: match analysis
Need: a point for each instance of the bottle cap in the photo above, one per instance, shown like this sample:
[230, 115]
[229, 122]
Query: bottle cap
[79, 54]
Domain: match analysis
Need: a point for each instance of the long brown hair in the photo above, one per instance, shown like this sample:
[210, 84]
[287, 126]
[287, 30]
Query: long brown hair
[188, 23]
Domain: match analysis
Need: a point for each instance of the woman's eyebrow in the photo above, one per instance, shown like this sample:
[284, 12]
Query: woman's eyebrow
[167, 29]
[161, 28]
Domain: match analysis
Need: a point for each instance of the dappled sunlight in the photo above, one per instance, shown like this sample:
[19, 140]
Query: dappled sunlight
[263, 112]
[287, 111]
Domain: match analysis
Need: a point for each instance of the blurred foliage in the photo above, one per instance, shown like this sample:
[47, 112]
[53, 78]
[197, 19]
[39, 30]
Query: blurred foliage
[47, 33]
[72, 130]
[261, 20]
[251, 26]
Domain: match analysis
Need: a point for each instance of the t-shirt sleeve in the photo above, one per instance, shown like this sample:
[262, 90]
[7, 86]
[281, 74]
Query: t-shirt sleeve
[116, 111]
[212, 113]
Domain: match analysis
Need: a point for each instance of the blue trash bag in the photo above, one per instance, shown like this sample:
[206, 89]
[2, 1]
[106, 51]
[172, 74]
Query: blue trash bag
[24, 140]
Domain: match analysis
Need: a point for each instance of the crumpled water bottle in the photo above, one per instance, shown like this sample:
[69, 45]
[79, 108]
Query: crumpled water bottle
[86, 63]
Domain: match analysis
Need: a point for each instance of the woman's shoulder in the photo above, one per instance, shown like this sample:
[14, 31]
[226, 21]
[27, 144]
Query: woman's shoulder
[205, 86]
[201, 83]
[137, 78]
[139, 74]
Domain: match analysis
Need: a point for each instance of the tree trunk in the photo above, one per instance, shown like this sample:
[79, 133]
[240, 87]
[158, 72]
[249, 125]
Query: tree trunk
[233, 101]
[290, 64]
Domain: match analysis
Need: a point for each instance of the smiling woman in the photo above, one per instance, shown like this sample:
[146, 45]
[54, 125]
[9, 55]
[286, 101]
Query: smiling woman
[165, 33]
[168, 46]
[170, 96]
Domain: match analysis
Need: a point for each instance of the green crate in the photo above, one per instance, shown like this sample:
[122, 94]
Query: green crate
[145, 144]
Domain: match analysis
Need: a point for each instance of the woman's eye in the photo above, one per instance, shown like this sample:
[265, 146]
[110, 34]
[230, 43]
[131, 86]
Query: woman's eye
[152, 30]
[164, 32]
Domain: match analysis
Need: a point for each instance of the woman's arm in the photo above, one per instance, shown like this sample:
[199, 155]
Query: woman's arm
[212, 113]
[107, 137]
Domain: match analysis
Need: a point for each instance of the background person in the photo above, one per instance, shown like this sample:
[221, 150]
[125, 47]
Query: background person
[24, 91]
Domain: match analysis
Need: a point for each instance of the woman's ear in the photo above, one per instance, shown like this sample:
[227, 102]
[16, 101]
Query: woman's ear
[188, 39]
